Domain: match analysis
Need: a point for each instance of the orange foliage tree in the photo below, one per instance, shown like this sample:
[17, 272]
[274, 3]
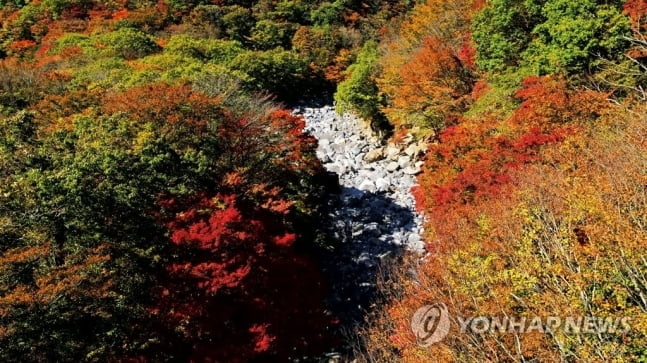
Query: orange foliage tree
[434, 84]
[426, 67]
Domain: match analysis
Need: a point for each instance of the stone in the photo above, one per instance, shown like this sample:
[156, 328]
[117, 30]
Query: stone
[374, 155]
[403, 161]
[368, 186]
[369, 225]
[337, 148]
[335, 168]
[392, 166]
[352, 193]
[392, 152]
[382, 184]
[411, 170]
[354, 151]
[414, 150]
[413, 238]
[324, 158]
[408, 139]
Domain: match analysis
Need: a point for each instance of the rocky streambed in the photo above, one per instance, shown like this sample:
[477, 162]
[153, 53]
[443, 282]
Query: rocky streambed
[373, 215]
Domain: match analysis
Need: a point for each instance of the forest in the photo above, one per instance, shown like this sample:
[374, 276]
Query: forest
[159, 200]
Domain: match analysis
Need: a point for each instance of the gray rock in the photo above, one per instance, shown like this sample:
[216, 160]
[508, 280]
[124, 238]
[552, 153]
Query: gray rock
[355, 151]
[368, 186]
[325, 158]
[382, 184]
[403, 161]
[364, 222]
[335, 168]
[337, 148]
[392, 152]
[411, 170]
[392, 166]
[413, 238]
[366, 174]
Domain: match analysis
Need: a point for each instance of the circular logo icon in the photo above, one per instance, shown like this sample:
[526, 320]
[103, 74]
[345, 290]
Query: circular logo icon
[430, 324]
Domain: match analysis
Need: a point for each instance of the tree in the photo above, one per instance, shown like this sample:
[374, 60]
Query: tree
[19, 85]
[575, 35]
[89, 250]
[551, 36]
[237, 281]
[522, 225]
[129, 43]
[434, 85]
[268, 34]
[503, 30]
[91, 238]
[276, 71]
[426, 64]
[359, 93]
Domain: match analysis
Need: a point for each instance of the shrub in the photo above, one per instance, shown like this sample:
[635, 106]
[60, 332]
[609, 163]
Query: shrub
[359, 93]
[277, 71]
[129, 43]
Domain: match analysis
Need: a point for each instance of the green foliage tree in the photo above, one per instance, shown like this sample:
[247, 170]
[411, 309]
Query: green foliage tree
[14, 3]
[207, 50]
[86, 252]
[237, 22]
[503, 30]
[550, 36]
[129, 43]
[359, 93]
[328, 13]
[576, 35]
[277, 71]
[268, 34]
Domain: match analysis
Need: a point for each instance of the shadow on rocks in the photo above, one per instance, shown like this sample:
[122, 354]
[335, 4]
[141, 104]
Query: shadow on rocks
[371, 230]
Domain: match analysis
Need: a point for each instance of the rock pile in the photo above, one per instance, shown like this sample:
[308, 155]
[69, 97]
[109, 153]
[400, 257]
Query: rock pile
[373, 215]
[375, 206]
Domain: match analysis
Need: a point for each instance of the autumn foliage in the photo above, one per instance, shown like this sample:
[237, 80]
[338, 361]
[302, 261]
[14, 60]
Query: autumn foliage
[535, 211]
[238, 281]
[158, 204]
[544, 247]
[165, 221]
[434, 85]
[427, 66]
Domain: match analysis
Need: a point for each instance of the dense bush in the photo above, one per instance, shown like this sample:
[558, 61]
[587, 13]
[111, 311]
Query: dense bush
[129, 43]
